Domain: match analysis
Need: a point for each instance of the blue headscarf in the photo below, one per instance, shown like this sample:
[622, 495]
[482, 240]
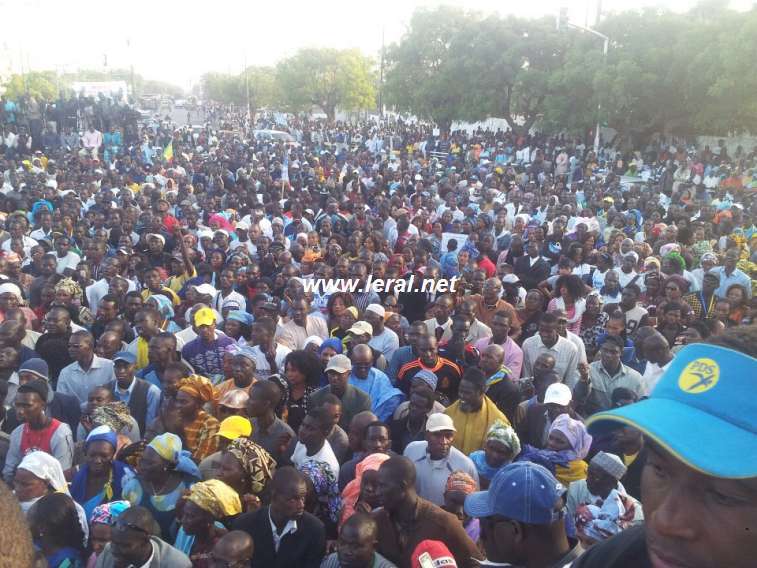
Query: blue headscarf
[333, 342]
[240, 316]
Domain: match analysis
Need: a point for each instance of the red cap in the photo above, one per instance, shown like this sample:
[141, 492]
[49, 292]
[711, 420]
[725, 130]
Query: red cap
[434, 551]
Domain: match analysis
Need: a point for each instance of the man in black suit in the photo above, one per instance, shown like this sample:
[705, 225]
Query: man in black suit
[285, 535]
[532, 268]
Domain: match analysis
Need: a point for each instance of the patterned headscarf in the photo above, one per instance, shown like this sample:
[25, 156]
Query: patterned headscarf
[325, 487]
[165, 306]
[575, 432]
[107, 513]
[116, 415]
[255, 461]
[461, 481]
[169, 447]
[215, 497]
[676, 257]
[504, 434]
[69, 286]
[198, 387]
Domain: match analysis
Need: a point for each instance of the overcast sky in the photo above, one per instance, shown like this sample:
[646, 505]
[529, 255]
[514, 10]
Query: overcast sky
[177, 41]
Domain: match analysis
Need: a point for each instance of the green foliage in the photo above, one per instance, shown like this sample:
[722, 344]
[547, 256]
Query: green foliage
[223, 88]
[39, 84]
[327, 79]
[684, 74]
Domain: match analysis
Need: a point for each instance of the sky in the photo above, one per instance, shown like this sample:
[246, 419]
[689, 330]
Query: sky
[178, 41]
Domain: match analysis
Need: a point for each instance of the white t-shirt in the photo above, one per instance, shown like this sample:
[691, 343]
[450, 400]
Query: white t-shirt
[325, 455]
[69, 261]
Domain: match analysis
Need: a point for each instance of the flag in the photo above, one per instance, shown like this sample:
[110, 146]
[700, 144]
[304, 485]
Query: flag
[285, 167]
[168, 152]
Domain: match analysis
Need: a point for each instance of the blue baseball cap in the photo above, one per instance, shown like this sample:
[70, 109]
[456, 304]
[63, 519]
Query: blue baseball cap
[703, 411]
[130, 358]
[521, 491]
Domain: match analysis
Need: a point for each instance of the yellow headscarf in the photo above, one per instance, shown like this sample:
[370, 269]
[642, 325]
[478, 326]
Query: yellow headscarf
[215, 497]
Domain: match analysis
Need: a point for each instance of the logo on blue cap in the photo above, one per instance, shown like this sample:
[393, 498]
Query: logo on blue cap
[699, 376]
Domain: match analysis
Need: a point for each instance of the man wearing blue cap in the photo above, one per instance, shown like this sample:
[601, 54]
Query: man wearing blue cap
[142, 398]
[699, 483]
[522, 518]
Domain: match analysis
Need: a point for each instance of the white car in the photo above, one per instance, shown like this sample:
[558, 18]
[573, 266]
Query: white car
[276, 136]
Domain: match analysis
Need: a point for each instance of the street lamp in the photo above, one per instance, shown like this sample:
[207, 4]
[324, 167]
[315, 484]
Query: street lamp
[562, 22]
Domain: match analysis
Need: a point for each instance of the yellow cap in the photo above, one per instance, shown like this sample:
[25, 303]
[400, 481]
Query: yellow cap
[235, 427]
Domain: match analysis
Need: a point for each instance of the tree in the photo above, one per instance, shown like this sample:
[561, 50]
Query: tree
[39, 84]
[223, 88]
[424, 75]
[260, 81]
[327, 79]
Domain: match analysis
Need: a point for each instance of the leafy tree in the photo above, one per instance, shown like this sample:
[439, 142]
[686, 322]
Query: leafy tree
[39, 84]
[261, 83]
[424, 71]
[327, 79]
[223, 88]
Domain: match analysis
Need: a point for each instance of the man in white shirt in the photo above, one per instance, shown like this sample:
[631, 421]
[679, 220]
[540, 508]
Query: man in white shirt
[435, 459]
[65, 258]
[658, 355]
[384, 339]
[312, 444]
[549, 341]
[269, 355]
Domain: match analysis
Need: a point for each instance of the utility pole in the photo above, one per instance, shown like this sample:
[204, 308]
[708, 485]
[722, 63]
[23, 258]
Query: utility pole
[381, 76]
[247, 90]
[562, 22]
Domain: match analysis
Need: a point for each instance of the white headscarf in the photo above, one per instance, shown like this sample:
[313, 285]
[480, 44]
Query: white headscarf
[46, 467]
[12, 288]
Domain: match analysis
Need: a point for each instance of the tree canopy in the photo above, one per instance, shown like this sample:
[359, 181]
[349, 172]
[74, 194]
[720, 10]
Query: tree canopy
[677, 73]
[327, 79]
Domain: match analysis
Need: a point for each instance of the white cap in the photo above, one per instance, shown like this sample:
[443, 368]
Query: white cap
[206, 289]
[361, 328]
[339, 363]
[376, 309]
[440, 423]
[161, 238]
[558, 393]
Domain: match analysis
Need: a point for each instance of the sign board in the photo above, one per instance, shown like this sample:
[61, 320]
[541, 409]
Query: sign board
[461, 238]
[116, 89]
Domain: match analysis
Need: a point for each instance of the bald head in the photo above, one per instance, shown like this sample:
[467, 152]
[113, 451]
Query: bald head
[234, 548]
[492, 358]
[141, 518]
[362, 352]
[357, 427]
[400, 469]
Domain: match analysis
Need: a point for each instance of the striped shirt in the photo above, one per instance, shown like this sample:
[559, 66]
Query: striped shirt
[564, 352]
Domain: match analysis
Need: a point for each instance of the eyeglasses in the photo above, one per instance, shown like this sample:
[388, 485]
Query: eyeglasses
[123, 526]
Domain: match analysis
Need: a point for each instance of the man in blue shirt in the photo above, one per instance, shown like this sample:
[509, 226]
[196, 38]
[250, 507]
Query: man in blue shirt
[730, 275]
[142, 398]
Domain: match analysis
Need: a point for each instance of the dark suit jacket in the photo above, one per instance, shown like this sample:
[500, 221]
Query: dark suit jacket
[529, 275]
[303, 549]
[531, 428]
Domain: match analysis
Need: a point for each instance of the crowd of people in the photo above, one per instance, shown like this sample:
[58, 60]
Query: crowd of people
[176, 391]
